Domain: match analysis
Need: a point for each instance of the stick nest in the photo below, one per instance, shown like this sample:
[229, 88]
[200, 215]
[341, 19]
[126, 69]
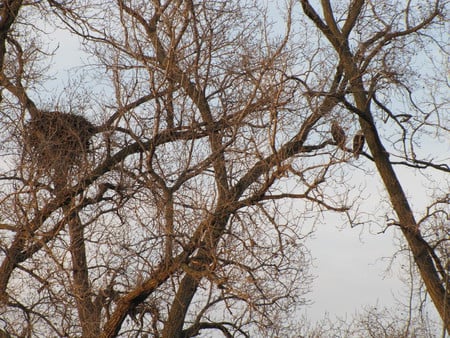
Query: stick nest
[57, 141]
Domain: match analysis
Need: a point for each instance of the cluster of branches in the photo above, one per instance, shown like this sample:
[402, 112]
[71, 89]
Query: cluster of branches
[170, 215]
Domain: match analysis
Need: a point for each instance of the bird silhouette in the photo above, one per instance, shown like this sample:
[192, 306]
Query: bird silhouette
[338, 134]
[358, 143]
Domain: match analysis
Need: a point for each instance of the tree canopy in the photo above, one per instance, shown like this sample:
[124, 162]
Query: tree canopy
[166, 186]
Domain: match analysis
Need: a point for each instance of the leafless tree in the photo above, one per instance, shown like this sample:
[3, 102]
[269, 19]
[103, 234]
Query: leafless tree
[372, 322]
[168, 193]
[167, 216]
[367, 39]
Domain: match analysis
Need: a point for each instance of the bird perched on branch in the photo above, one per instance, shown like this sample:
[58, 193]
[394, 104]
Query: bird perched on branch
[358, 143]
[338, 134]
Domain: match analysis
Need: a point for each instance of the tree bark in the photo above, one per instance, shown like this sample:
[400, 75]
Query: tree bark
[173, 327]
[88, 313]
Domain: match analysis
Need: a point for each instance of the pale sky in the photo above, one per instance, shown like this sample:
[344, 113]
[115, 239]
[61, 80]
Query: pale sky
[352, 264]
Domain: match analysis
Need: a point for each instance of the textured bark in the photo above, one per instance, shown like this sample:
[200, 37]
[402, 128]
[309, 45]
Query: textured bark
[89, 313]
[8, 14]
[173, 327]
[408, 225]
[13, 255]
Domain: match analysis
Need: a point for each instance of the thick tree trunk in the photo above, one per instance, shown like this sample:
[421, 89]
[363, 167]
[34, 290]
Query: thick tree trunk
[173, 327]
[88, 313]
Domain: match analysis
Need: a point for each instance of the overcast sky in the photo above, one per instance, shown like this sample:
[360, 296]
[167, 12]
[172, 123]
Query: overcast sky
[352, 264]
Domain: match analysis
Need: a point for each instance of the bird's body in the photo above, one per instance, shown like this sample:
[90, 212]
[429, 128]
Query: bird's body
[358, 143]
[338, 135]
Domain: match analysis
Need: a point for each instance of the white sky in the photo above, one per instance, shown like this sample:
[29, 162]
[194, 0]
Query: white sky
[352, 263]
[350, 272]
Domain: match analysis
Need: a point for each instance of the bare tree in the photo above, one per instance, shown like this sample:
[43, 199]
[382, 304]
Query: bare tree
[167, 216]
[152, 198]
[372, 322]
[369, 41]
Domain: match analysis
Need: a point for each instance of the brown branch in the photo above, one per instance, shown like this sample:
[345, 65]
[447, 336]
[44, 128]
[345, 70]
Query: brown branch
[354, 10]
[8, 14]
[134, 297]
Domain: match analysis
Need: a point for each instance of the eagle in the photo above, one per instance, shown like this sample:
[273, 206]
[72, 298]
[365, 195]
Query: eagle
[358, 143]
[338, 134]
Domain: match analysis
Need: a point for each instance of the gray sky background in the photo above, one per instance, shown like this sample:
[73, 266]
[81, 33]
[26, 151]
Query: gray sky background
[352, 264]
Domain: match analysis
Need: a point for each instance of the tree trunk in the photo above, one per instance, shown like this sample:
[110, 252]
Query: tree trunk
[88, 313]
[173, 327]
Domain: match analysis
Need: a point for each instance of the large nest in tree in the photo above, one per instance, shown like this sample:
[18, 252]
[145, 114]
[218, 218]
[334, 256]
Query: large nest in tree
[56, 141]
